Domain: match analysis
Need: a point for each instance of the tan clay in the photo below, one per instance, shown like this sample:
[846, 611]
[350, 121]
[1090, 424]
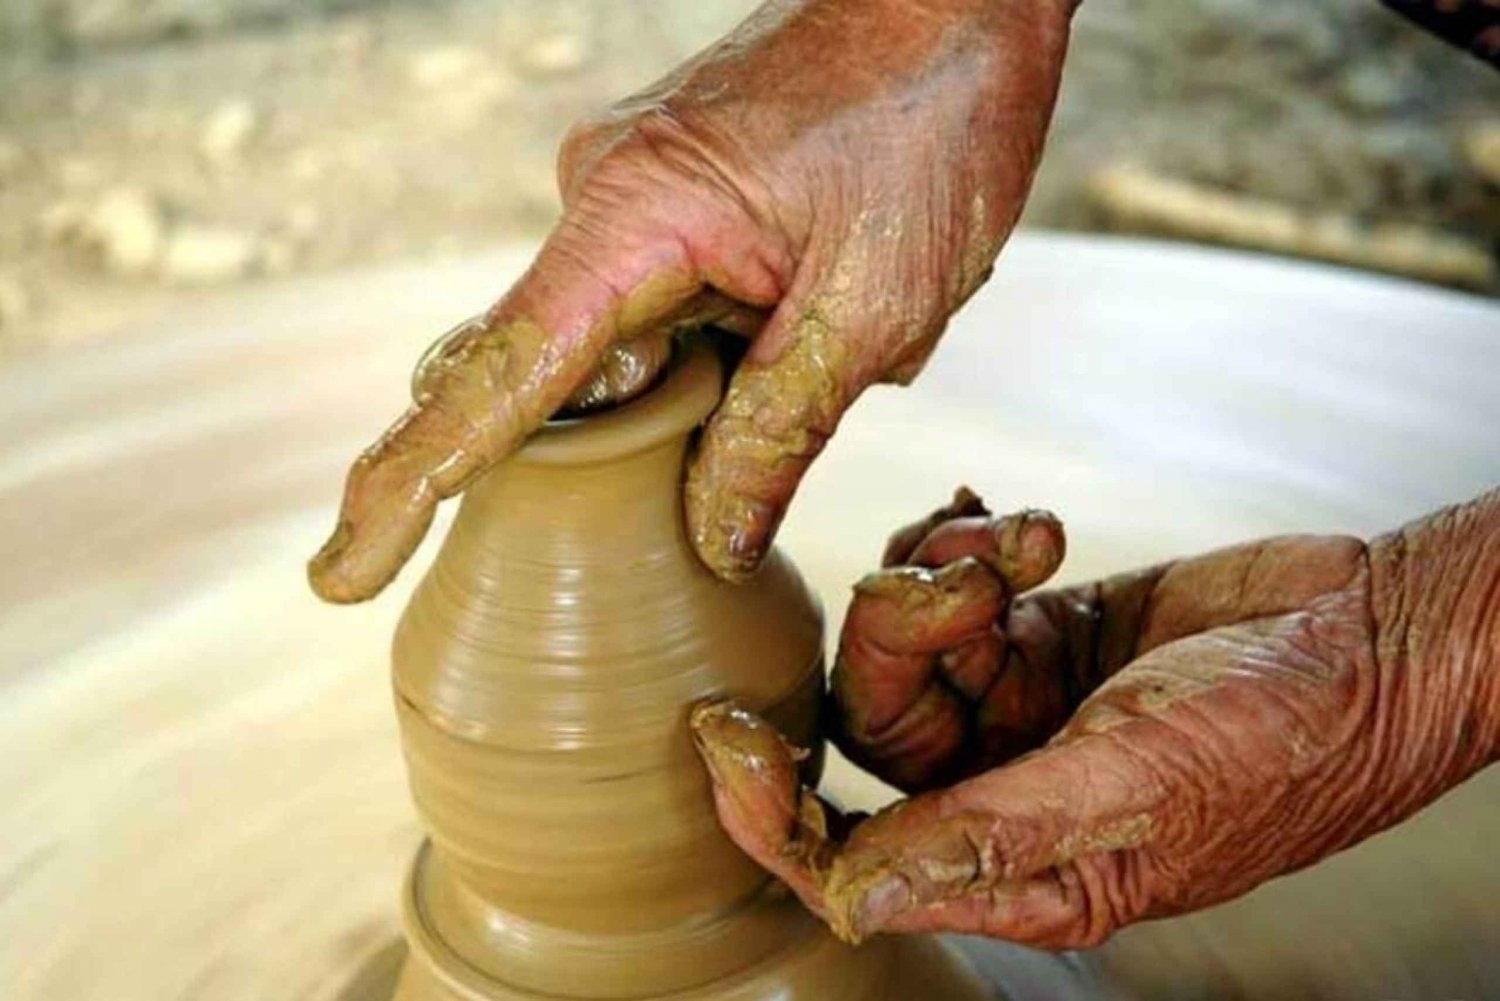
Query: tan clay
[544, 672]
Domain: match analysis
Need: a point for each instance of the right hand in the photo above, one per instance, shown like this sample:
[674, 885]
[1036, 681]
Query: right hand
[1142, 746]
[835, 177]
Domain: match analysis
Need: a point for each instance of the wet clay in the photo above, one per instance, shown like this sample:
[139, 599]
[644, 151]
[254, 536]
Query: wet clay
[628, 370]
[544, 673]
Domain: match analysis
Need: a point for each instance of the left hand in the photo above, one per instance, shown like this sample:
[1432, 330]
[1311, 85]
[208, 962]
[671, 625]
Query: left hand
[1138, 747]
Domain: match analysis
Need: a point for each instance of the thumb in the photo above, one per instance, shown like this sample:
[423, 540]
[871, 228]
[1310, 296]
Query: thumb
[1035, 852]
[783, 403]
[1010, 853]
[489, 385]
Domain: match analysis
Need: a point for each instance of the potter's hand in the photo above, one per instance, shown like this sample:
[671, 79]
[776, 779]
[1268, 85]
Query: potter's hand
[846, 168]
[1194, 729]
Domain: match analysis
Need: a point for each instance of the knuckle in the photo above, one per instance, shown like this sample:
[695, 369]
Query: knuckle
[649, 143]
[619, 158]
[685, 151]
[618, 196]
[574, 143]
[585, 132]
[666, 130]
[573, 249]
[582, 143]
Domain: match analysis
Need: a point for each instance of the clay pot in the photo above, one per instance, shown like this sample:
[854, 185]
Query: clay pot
[543, 674]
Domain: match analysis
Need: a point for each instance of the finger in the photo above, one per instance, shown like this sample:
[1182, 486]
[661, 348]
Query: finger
[894, 716]
[1028, 701]
[627, 369]
[1024, 549]
[783, 402]
[905, 611]
[965, 504]
[918, 651]
[971, 664]
[490, 384]
[763, 808]
[760, 801]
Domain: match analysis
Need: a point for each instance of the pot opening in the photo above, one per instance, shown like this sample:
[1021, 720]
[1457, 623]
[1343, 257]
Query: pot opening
[678, 396]
[629, 369]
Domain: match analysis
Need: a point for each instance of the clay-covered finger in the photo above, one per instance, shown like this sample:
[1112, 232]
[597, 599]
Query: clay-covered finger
[627, 369]
[898, 548]
[1024, 548]
[923, 610]
[971, 859]
[898, 861]
[490, 384]
[899, 711]
[790, 831]
[775, 418]
[900, 619]
[759, 797]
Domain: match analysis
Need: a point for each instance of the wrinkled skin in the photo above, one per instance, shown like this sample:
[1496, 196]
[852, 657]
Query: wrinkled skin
[1138, 747]
[834, 178]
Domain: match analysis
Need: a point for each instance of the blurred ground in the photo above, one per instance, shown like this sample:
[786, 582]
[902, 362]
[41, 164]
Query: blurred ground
[152, 149]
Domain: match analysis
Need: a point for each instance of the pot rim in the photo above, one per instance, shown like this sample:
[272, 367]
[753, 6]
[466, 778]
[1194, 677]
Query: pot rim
[682, 401]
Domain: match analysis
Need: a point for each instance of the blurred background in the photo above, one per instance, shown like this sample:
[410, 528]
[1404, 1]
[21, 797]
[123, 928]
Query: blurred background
[153, 151]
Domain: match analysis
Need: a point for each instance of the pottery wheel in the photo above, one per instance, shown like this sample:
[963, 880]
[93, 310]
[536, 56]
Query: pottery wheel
[201, 790]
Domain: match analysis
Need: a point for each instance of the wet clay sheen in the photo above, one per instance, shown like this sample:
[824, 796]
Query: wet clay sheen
[754, 765]
[774, 421]
[544, 672]
[627, 371]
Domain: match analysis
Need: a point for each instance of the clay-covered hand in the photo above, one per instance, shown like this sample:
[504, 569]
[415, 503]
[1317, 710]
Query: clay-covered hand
[835, 177]
[1138, 747]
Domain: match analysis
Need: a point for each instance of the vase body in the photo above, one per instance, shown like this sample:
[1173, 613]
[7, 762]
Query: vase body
[543, 674]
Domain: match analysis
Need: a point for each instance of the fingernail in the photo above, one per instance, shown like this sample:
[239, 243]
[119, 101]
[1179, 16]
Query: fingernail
[730, 535]
[880, 904]
[743, 518]
[1029, 547]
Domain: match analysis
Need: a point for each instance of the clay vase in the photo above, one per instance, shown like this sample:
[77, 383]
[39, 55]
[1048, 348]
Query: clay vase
[543, 674]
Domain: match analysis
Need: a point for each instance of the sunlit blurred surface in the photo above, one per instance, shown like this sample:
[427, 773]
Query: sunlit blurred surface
[201, 793]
